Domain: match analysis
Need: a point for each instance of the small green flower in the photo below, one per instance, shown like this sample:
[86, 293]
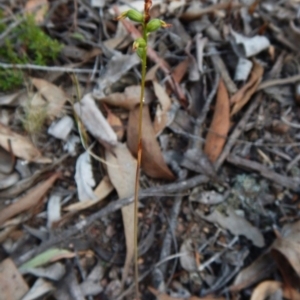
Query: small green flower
[133, 15]
[156, 24]
[139, 43]
[140, 52]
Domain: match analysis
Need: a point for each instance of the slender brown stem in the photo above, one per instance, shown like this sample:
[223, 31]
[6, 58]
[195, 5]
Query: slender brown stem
[139, 158]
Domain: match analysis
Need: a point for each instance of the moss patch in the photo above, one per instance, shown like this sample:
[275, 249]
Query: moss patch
[27, 43]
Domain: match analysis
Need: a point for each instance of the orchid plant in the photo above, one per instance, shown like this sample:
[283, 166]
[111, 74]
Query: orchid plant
[140, 46]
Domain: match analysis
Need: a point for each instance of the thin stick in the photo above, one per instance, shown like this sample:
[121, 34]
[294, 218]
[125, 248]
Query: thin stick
[45, 68]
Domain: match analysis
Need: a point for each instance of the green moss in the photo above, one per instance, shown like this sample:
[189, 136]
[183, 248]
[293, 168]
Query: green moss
[10, 79]
[26, 44]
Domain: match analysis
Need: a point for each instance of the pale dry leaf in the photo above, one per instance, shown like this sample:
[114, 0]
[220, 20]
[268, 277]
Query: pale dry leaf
[7, 181]
[11, 99]
[236, 225]
[252, 45]
[61, 128]
[128, 100]
[54, 271]
[55, 96]
[121, 169]
[84, 178]
[243, 69]
[118, 65]
[95, 122]
[266, 289]
[12, 284]
[243, 95]
[153, 162]
[187, 256]
[219, 126]
[20, 146]
[91, 286]
[103, 189]
[161, 119]
[40, 288]
[53, 210]
[32, 197]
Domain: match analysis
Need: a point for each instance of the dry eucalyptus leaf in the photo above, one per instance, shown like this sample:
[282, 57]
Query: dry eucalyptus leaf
[253, 45]
[187, 256]
[266, 289]
[161, 119]
[121, 167]
[54, 271]
[7, 181]
[153, 162]
[236, 225]
[128, 100]
[286, 250]
[219, 126]
[95, 122]
[118, 65]
[20, 146]
[31, 198]
[103, 189]
[91, 285]
[61, 128]
[84, 178]
[243, 95]
[243, 69]
[12, 284]
[40, 288]
[11, 99]
[53, 209]
[55, 96]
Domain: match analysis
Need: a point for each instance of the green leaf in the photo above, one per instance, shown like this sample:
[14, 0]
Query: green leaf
[46, 257]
